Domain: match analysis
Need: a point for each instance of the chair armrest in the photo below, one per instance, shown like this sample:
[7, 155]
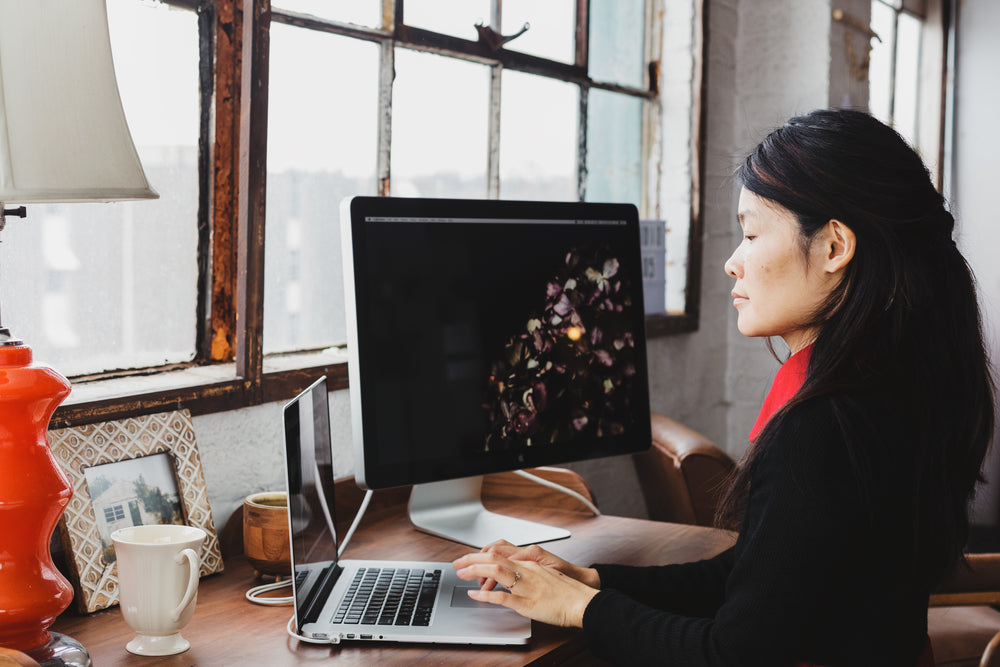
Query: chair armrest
[975, 582]
[991, 656]
[682, 473]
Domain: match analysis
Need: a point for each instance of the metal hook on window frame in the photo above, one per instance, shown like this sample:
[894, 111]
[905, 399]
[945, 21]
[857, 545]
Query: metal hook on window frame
[493, 40]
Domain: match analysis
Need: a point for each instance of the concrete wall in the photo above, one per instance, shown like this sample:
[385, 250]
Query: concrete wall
[975, 164]
[242, 451]
[766, 62]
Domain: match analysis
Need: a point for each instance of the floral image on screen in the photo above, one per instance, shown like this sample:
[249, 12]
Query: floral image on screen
[567, 374]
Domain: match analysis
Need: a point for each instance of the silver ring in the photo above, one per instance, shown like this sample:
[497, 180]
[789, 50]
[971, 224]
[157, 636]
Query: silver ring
[517, 578]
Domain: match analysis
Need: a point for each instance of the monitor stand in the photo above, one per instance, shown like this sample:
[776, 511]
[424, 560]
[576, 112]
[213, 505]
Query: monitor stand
[454, 510]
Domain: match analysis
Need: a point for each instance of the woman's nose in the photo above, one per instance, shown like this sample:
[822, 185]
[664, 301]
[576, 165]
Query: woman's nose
[733, 266]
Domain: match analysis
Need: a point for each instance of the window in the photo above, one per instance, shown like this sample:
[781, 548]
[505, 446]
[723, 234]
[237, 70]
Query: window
[320, 149]
[905, 74]
[595, 100]
[519, 100]
[895, 60]
[430, 108]
[114, 513]
[101, 287]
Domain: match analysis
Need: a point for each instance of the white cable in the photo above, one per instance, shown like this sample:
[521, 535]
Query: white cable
[562, 489]
[354, 524]
[321, 493]
[307, 640]
[254, 594]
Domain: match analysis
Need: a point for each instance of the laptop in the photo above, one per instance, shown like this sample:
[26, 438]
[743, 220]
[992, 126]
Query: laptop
[385, 600]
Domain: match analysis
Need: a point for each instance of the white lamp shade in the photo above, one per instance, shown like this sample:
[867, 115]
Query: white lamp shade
[63, 135]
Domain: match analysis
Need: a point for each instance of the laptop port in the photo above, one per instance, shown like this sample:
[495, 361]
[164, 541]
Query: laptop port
[366, 636]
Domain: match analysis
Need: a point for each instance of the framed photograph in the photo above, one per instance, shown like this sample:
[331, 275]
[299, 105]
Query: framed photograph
[130, 472]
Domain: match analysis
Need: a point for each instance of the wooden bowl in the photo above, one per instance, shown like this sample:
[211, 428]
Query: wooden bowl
[265, 533]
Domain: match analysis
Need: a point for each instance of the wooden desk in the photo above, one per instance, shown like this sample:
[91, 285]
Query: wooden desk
[228, 630]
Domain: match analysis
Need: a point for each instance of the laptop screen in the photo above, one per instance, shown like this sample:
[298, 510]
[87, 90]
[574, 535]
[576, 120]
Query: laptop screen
[309, 475]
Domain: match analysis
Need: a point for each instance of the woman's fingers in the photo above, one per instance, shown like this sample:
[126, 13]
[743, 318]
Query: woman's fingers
[493, 597]
[489, 569]
[499, 544]
[533, 590]
[498, 547]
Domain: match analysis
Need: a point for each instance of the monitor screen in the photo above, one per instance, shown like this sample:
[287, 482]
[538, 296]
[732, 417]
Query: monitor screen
[490, 335]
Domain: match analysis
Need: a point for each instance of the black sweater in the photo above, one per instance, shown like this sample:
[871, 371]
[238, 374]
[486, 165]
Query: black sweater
[823, 570]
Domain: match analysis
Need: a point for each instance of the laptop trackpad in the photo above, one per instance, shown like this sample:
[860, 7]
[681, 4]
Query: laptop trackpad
[460, 598]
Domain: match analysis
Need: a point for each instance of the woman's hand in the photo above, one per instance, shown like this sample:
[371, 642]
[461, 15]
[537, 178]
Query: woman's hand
[539, 585]
[586, 575]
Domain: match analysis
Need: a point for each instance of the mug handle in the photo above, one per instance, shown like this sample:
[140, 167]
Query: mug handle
[192, 585]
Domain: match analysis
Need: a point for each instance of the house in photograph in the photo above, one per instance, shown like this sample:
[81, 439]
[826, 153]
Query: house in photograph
[119, 506]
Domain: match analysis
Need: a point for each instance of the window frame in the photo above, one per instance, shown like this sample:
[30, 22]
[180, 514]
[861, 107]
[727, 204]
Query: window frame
[932, 105]
[916, 9]
[234, 36]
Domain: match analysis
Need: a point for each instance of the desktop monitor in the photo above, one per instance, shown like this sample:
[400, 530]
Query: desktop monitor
[486, 336]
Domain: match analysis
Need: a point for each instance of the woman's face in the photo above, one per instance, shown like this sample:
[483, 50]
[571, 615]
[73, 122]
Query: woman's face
[777, 290]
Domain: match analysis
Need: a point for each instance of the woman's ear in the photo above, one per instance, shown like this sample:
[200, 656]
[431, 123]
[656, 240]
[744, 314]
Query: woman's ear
[839, 246]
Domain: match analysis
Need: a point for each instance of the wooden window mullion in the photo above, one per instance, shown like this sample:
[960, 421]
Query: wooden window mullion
[220, 342]
[252, 200]
[206, 86]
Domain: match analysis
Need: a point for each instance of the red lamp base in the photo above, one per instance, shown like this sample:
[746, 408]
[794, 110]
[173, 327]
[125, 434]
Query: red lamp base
[33, 495]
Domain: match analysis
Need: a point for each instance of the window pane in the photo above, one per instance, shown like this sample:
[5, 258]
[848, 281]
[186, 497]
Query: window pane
[360, 12]
[451, 17]
[96, 287]
[880, 67]
[617, 41]
[614, 148]
[904, 109]
[321, 147]
[440, 116]
[552, 31]
[539, 119]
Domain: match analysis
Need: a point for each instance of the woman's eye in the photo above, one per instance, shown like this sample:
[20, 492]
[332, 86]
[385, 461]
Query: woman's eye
[749, 237]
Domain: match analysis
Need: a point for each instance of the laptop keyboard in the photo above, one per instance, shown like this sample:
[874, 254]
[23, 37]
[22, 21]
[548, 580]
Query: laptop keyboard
[389, 596]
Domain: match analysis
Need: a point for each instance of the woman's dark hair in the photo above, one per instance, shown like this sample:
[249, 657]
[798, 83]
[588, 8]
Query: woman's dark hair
[904, 318]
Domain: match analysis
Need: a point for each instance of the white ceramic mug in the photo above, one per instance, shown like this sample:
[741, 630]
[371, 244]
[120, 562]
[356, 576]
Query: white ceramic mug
[158, 572]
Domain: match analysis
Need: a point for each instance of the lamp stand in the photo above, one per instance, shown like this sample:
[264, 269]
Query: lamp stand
[33, 495]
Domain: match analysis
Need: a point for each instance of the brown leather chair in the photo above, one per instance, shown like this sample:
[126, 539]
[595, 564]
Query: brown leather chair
[682, 475]
[963, 626]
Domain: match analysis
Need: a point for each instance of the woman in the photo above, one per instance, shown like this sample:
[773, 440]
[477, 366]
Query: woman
[851, 502]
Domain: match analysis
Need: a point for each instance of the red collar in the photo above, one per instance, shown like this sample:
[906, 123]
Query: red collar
[787, 382]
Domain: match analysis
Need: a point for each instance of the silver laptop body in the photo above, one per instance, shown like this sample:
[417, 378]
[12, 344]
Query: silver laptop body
[336, 600]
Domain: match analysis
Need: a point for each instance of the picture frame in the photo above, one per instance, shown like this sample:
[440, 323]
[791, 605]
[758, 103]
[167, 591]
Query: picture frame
[116, 454]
